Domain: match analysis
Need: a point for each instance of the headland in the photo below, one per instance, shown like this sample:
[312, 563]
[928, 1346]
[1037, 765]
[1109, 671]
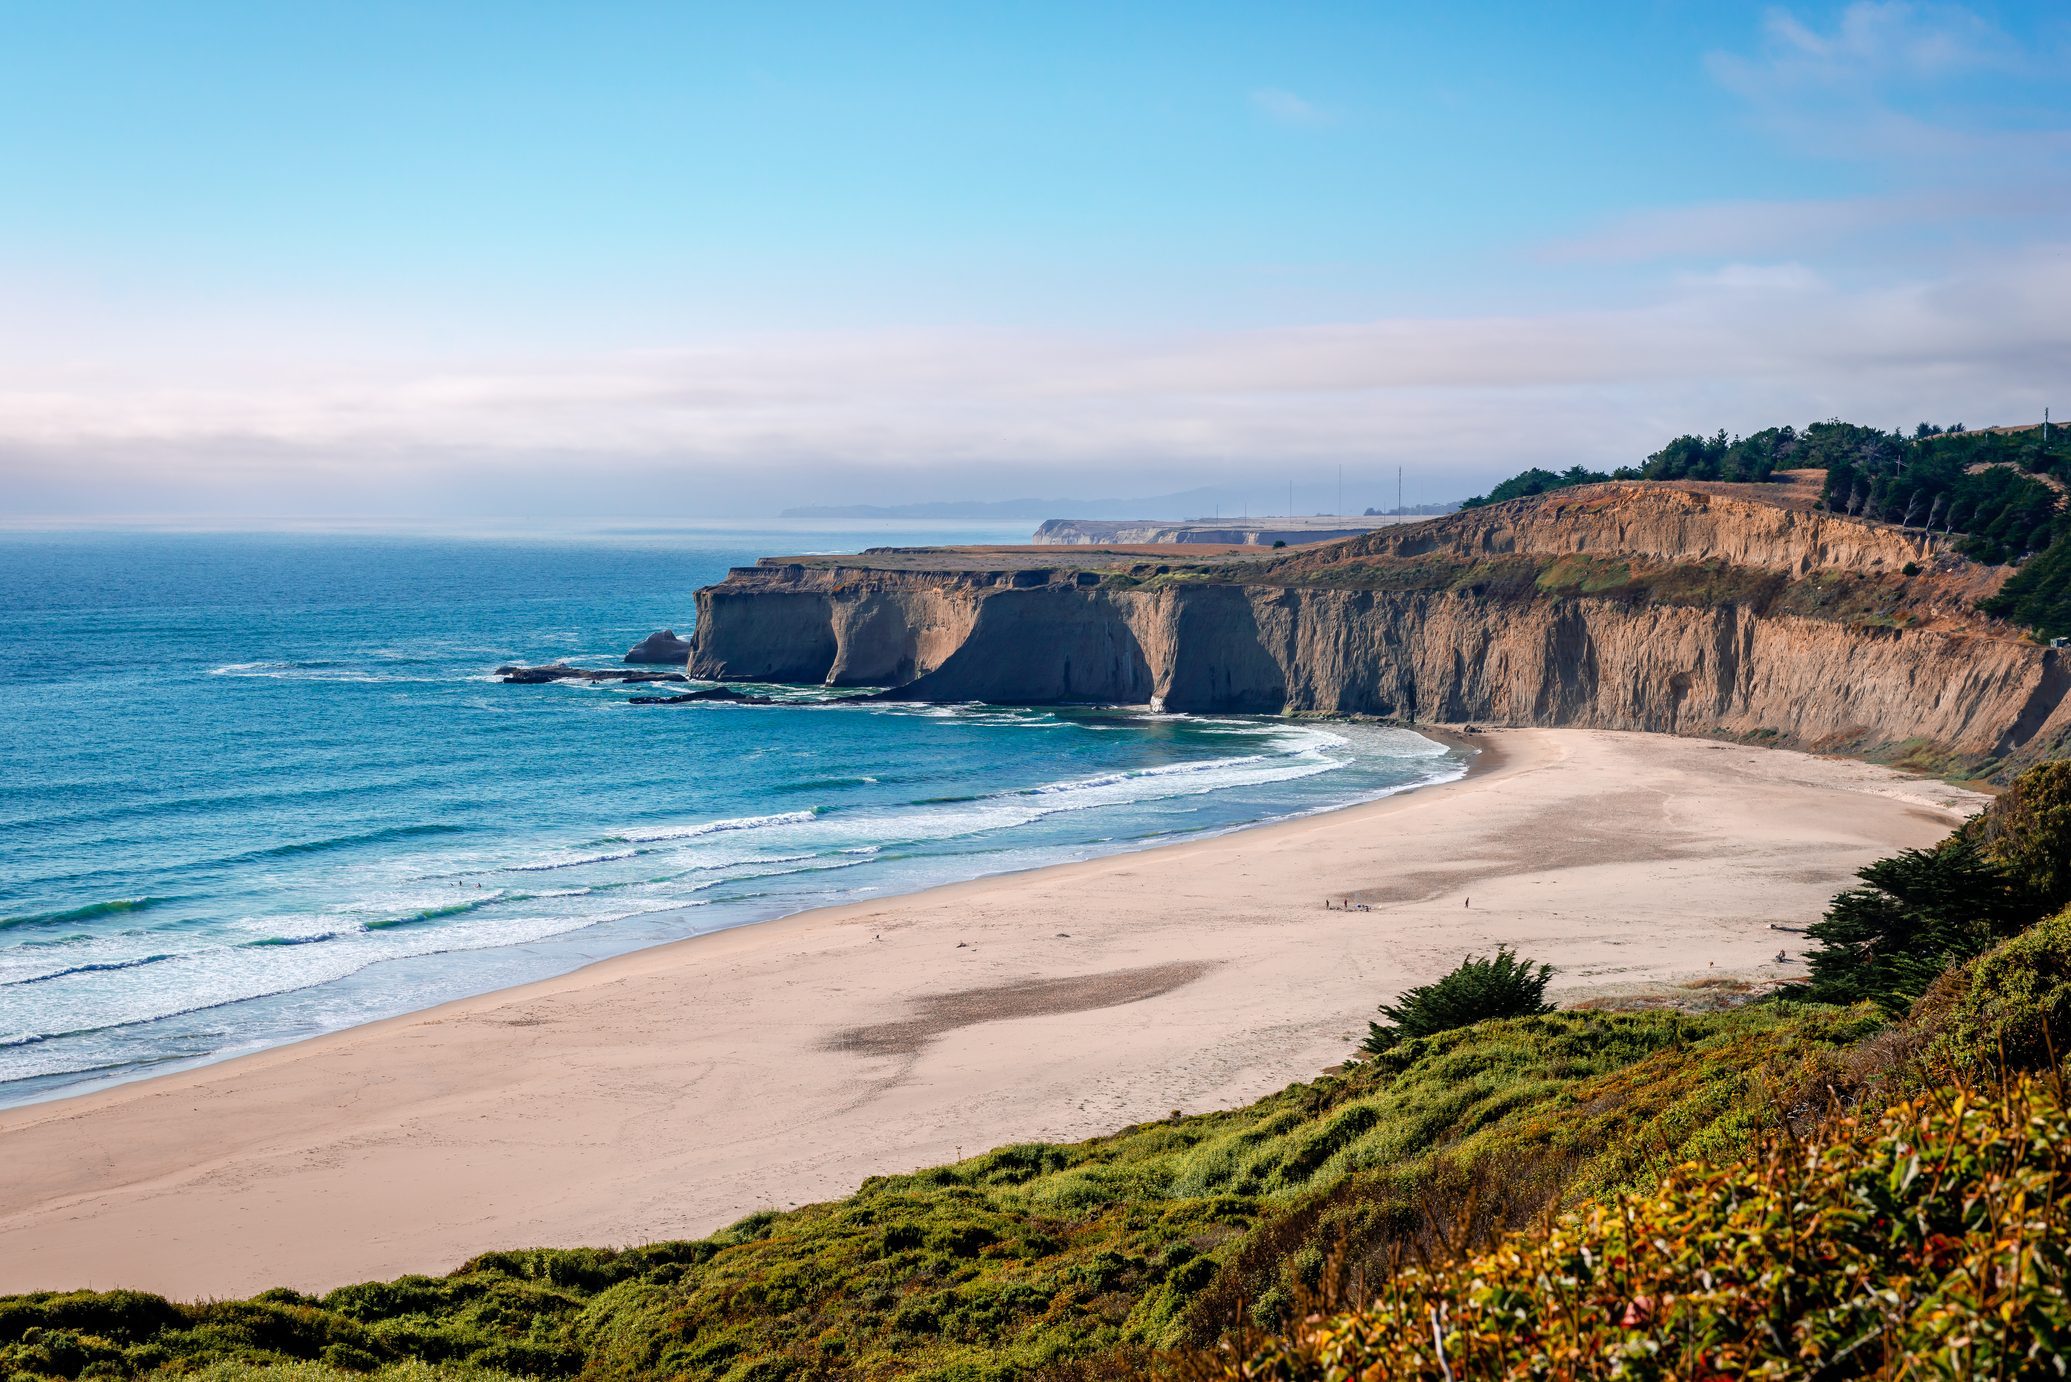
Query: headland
[1684, 608]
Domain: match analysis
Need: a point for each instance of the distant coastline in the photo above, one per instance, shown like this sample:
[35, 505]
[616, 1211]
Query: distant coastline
[1184, 504]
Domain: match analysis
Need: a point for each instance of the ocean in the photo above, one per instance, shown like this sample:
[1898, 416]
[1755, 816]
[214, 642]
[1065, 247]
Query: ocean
[258, 787]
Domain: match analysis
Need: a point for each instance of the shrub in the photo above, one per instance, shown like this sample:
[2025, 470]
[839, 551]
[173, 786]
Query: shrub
[2014, 1003]
[1535, 481]
[2039, 593]
[1917, 913]
[1935, 1241]
[1500, 986]
[2027, 833]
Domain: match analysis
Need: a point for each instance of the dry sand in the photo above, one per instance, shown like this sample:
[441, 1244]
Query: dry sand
[666, 1093]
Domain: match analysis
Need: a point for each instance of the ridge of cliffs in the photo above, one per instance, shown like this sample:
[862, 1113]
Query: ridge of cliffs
[1662, 521]
[1620, 606]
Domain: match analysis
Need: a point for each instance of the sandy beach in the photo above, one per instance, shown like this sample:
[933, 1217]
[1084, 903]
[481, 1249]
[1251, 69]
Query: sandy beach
[669, 1092]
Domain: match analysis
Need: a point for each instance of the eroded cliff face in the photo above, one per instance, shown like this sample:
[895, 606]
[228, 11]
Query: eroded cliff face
[1666, 522]
[1287, 635]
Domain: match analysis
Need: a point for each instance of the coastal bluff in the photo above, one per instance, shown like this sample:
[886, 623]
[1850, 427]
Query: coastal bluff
[1671, 608]
[1254, 532]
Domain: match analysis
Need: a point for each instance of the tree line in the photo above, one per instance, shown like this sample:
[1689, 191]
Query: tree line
[1999, 492]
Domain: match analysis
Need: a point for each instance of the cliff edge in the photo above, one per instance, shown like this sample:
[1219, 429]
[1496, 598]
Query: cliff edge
[1622, 606]
[1248, 532]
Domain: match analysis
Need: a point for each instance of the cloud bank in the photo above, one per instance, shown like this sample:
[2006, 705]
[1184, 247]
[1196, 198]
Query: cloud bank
[1739, 346]
[1943, 291]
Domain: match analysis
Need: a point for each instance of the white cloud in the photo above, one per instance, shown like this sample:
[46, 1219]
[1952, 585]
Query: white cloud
[1927, 99]
[767, 420]
[1872, 40]
[1754, 278]
[1286, 108]
[1868, 88]
[1717, 230]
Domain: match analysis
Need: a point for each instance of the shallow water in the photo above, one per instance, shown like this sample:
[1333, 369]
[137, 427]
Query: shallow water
[253, 788]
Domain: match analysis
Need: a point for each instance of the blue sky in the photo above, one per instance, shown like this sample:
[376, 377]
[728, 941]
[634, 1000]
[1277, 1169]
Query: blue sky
[473, 260]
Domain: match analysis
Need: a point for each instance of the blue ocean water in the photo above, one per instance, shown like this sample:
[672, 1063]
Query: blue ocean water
[254, 788]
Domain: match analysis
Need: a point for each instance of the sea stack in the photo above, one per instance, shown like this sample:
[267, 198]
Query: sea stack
[662, 647]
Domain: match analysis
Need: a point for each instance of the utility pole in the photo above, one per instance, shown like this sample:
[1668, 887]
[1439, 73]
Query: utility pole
[1398, 489]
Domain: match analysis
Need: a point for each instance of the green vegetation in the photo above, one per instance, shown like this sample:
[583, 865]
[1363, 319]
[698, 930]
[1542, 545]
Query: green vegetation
[2001, 491]
[1002, 1264]
[1988, 486]
[1932, 484]
[2027, 833]
[1915, 915]
[1745, 460]
[1923, 911]
[2038, 595]
[1934, 1241]
[1566, 1185]
[1928, 1242]
[1476, 991]
[2012, 1004]
[1985, 485]
[1527, 483]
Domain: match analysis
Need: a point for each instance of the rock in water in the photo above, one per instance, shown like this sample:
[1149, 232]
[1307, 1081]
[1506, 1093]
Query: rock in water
[561, 671]
[725, 694]
[661, 647]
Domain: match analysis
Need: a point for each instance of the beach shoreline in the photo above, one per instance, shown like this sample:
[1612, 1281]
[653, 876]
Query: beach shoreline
[572, 951]
[665, 1092]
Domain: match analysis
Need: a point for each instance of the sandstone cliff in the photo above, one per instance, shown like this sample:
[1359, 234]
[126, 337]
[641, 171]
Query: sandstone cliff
[1626, 607]
[1684, 523]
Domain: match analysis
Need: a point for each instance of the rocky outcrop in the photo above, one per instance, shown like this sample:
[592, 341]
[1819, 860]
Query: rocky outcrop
[1366, 627]
[561, 671]
[661, 648]
[719, 695]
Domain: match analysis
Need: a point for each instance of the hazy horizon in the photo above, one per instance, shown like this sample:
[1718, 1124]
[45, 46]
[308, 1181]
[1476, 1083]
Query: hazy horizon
[267, 266]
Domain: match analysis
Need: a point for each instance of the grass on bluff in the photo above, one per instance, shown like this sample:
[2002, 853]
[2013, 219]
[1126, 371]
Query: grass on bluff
[1927, 1243]
[1934, 1241]
[1031, 1255]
